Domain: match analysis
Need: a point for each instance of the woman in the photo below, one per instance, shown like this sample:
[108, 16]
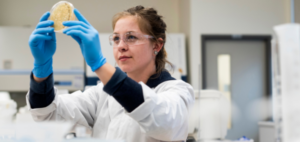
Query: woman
[144, 105]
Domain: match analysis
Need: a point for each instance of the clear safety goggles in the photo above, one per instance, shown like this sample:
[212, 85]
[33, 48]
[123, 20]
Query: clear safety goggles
[129, 38]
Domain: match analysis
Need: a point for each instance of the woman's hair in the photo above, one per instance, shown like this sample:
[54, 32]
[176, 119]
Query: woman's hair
[152, 24]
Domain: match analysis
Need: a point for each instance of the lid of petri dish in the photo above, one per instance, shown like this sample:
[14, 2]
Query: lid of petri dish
[60, 12]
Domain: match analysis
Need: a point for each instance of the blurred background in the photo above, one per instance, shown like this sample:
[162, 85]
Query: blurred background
[221, 45]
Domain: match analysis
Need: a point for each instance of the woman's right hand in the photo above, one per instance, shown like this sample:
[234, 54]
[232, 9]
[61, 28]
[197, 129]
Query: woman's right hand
[42, 43]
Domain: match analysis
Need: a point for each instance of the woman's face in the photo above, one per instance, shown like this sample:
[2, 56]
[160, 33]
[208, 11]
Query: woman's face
[132, 57]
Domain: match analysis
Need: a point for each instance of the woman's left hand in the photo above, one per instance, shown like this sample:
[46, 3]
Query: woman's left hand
[88, 39]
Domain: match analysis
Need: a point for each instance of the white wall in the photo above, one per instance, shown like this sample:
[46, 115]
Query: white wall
[98, 12]
[185, 27]
[231, 17]
[297, 11]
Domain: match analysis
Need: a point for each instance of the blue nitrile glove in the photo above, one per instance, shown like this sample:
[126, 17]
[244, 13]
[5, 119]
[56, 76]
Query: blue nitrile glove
[88, 39]
[42, 43]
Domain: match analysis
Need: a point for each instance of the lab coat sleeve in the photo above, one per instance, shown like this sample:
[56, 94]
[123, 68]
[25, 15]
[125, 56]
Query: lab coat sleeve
[164, 115]
[78, 107]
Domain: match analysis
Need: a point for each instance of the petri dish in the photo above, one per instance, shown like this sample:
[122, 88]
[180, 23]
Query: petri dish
[60, 12]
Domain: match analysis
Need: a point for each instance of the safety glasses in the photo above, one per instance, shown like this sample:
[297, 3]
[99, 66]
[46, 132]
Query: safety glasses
[129, 38]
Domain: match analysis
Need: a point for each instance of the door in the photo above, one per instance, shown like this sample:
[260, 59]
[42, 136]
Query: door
[249, 82]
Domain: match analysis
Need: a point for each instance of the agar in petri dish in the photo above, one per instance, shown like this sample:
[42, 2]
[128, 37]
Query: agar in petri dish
[60, 12]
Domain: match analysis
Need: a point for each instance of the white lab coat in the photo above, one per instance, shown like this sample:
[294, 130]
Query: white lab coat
[161, 117]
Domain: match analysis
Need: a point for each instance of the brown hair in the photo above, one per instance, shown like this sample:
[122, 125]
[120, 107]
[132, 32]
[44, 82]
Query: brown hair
[151, 23]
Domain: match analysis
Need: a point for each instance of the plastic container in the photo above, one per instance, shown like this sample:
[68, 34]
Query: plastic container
[60, 12]
[8, 108]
